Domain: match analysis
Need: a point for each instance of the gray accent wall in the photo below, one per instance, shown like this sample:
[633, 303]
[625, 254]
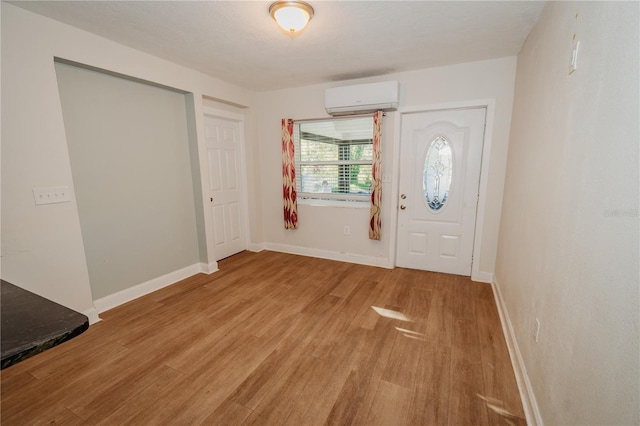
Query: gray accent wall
[129, 146]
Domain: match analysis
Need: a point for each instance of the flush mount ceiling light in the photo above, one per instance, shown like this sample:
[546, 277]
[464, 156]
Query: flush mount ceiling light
[292, 16]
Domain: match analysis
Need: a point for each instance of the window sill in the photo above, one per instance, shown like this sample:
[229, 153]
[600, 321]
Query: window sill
[334, 203]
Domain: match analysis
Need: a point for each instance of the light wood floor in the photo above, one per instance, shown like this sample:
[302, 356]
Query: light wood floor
[280, 339]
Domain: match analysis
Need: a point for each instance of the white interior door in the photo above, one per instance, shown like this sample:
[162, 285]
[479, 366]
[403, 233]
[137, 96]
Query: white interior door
[225, 193]
[440, 158]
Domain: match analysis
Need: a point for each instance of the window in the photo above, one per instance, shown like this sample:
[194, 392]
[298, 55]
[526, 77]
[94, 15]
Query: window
[334, 158]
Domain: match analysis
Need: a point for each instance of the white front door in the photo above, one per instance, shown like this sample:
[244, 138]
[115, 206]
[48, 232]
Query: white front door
[440, 158]
[225, 194]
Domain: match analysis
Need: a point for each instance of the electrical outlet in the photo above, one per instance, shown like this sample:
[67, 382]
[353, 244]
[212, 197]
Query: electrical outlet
[347, 230]
[51, 195]
[536, 331]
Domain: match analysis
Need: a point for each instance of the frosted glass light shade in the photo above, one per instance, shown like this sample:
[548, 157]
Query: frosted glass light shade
[292, 16]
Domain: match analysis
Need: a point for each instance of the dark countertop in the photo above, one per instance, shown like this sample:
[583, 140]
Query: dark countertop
[32, 324]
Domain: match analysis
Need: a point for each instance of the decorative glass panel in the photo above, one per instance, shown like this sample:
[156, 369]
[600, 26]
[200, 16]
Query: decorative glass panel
[436, 179]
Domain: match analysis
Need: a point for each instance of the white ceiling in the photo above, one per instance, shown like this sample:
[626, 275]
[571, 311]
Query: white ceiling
[237, 41]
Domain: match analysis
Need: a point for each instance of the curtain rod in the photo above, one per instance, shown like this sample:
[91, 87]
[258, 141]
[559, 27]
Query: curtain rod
[340, 117]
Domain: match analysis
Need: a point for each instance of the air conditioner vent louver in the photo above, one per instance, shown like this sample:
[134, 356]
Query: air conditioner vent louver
[362, 98]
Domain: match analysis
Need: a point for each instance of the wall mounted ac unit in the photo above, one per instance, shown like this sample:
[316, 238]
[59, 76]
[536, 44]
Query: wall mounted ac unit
[362, 98]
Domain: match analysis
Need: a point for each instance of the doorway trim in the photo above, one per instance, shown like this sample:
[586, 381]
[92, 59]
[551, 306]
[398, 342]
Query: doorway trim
[489, 104]
[239, 118]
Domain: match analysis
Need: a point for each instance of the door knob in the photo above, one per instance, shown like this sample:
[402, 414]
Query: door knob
[403, 196]
[402, 207]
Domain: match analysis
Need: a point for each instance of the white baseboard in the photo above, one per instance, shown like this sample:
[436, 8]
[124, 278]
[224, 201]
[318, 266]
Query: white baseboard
[210, 268]
[109, 302]
[482, 277]
[255, 247]
[330, 255]
[529, 403]
[92, 315]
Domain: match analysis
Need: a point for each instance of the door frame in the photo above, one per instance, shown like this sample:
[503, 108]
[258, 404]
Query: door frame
[489, 104]
[240, 120]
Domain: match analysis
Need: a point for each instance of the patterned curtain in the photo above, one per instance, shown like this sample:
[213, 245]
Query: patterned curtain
[289, 176]
[375, 232]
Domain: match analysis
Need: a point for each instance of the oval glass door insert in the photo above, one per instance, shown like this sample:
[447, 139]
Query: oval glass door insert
[436, 176]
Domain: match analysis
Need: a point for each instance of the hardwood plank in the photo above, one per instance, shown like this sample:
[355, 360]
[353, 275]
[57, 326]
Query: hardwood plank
[274, 338]
[117, 393]
[440, 320]
[403, 360]
[464, 294]
[284, 396]
[197, 394]
[418, 308]
[15, 382]
[145, 391]
[466, 404]
[259, 384]
[55, 389]
[367, 317]
[59, 367]
[430, 398]
[348, 403]
[211, 342]
[358, 393]
[503, 404]
[228, 413]
[399, 292]
[318, 397]
[390, 405]
[340, 320]
[294, 338]
[345, 282]
[61, 416]
[232, 371]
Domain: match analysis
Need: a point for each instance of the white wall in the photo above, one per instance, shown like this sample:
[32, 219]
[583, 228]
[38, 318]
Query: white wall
[320, 229]
[42, 248]
[568, 252]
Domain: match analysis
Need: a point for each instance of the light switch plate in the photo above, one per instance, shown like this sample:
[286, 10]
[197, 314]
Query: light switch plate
[51, 195]
[574, 57]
